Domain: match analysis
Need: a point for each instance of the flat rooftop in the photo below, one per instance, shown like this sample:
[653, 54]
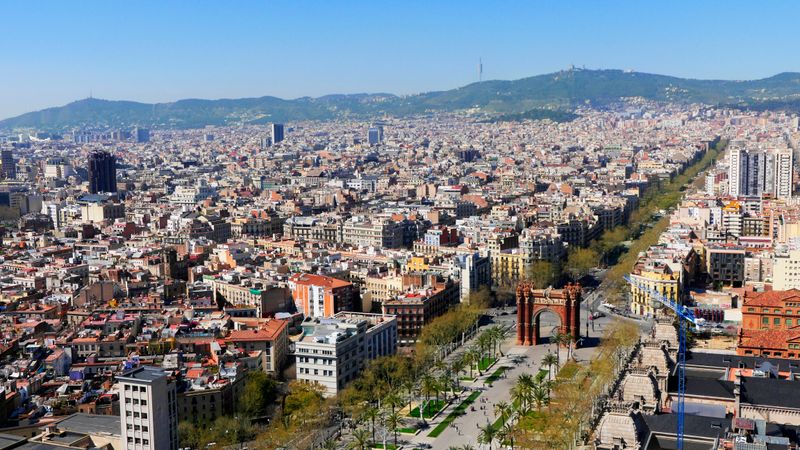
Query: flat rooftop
[91, 424]
[9, 440]
[144, 374]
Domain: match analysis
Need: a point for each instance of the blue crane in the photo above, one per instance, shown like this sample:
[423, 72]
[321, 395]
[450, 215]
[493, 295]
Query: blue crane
[685, 315]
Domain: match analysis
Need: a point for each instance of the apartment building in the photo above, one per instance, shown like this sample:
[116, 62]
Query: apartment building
[320, 295]
[149, 417]
[333, 351]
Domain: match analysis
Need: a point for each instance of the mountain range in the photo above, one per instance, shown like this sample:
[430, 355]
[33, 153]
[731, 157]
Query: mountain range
[551, 96]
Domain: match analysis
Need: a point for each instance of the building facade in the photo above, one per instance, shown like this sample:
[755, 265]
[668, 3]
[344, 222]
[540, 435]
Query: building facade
[333, 351]
[149, 416]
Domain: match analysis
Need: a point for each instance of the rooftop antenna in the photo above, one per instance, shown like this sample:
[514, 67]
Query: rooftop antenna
[480, 70]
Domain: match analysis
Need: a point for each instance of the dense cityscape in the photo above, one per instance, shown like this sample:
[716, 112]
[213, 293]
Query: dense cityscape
[399, 225]
[427, 281]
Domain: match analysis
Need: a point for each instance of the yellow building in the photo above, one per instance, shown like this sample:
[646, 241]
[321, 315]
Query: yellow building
[660, 278]
[417, 264]
[507, 266]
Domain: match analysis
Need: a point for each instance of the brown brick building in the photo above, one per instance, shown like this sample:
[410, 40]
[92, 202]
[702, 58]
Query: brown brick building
[770, 324]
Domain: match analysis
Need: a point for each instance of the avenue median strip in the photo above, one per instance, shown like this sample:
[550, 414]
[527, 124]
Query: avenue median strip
[459, 411]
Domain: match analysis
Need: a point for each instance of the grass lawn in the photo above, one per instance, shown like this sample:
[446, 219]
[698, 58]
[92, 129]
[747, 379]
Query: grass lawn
[568, 371]
[460, 409]
[431, 408]
[497, 373]
[466, 378]
[542, 375]
[498, 423]
[388, 446]
[407, 430]
[486, 362]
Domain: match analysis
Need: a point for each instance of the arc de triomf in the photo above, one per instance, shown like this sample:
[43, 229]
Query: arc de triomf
[531, 303]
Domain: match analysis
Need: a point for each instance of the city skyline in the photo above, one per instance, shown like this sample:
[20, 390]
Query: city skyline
[165, 53]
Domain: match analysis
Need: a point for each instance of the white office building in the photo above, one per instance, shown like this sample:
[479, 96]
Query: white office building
[333, 351]
[148, 410]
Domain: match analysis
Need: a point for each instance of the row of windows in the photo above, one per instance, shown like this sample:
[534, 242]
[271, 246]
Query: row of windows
[143, 428]
[325, 361]
[136, 401]
[325, 373]
[775, 311]
[135, 414]
[777, 321]
[135, 388]
[132, 440]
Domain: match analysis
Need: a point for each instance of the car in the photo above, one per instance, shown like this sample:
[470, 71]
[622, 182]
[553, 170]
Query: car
[598, 315]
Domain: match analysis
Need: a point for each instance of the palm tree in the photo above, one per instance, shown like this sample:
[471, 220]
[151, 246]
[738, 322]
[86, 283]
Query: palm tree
[483, 345]
[446, 382]
[472, 356]
[501, 409]
[428, 387]
[408, 388]
[393, 421]
[487, 435]
[498, 335]
[559, 339]
[393, 400]
[506, 434]
[370, 414]
[550, 360]
[522, 392]
[360, 440]
[539, 395]
[456, 367]
[329, 444]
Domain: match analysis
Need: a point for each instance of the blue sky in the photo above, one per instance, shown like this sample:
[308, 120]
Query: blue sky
[54, 52]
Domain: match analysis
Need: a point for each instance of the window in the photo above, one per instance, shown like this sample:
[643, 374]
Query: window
[788, 323]
[776, 321]
[765, 320]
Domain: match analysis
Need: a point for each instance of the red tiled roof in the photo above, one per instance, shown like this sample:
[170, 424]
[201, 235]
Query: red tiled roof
[770, 298]
[768, 339]
[267, 332]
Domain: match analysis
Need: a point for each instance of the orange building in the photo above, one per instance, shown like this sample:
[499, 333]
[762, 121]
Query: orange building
[770, 324]
[321, 296]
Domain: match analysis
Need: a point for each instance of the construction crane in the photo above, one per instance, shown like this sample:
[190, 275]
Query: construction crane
[685, 315]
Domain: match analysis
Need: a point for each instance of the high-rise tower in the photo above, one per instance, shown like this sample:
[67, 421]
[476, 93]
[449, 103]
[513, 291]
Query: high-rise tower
[102, 172]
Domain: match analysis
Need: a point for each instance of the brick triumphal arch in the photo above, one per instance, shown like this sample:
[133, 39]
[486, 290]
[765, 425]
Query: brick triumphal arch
[531, 303]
